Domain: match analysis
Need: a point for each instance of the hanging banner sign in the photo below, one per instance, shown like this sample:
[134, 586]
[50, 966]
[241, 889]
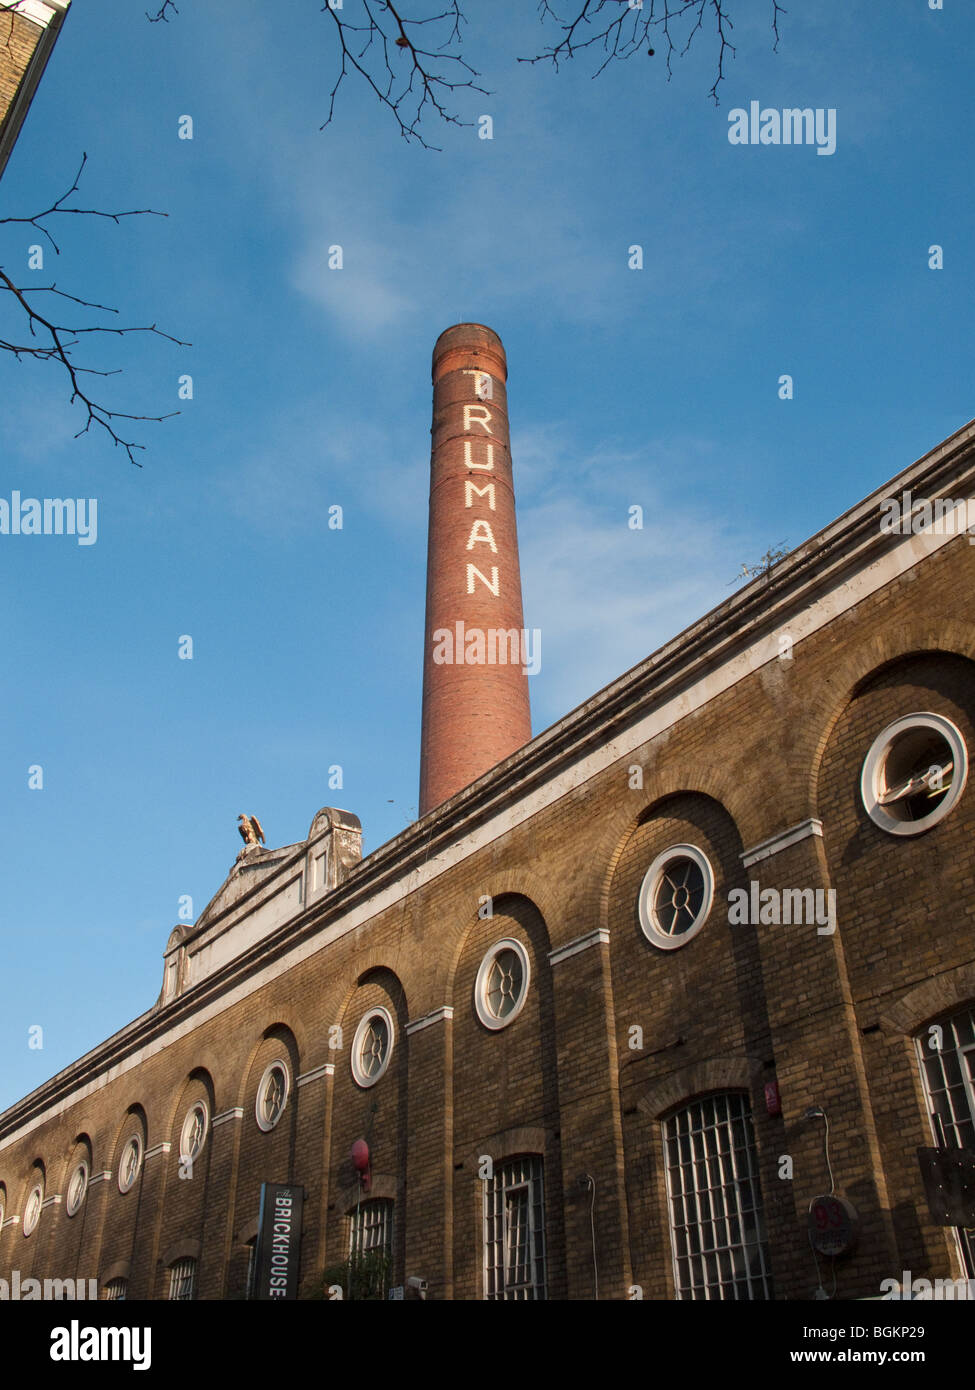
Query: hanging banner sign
[278, 1241]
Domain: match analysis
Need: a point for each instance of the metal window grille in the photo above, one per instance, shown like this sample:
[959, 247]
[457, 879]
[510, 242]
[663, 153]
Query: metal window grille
[181, 1280]
[114, 1291]
[947, 1061]
[371, 1228]
[716, 1219]
[514, 1231]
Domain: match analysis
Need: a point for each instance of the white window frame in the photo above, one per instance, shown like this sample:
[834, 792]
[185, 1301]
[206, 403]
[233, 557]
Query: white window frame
[524, 1173]
[74, 1200]
[481, 1005]
[115, 1291]
[135, 1141]
[651, 928]
[359, 1074]
[185, 1154]
[873, 782]
[32, 1209]
[262, 1123]
[734, 1169]
[959, 1129]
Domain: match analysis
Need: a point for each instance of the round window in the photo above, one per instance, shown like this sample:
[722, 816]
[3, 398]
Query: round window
[914, 773]
[194, 1132]
[676, 896]
[372, 1046]
[272, 1095]
[128, 1169]
[32, 1211]
[501, 987]
[77, 1187]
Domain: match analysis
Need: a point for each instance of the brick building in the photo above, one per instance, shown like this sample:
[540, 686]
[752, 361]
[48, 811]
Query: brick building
[28, 32]
[610, 1017]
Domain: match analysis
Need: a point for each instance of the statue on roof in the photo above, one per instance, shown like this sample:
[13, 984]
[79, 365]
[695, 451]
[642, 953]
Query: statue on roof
[250, 829]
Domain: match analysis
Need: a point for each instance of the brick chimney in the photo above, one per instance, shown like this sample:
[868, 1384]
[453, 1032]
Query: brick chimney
[475, 690]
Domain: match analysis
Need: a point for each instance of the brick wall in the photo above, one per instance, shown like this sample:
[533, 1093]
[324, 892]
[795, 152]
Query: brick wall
[830, 1017]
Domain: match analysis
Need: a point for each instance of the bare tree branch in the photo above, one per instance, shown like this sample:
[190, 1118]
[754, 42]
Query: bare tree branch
[55, 341]
[161, 13]
[409, 94]
[621, 30]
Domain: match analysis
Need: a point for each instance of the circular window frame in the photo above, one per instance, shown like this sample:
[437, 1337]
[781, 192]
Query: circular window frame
[358, 1075]
[267, 1125]
[872, 773]
[481, 1007]
[133, 1139]
[198, 1107]
[73, 1209]
[648, 890]
[31, 1219]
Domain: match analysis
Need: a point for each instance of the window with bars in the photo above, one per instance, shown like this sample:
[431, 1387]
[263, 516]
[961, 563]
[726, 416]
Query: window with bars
[371, 1228]
[716, 1219]
[946, 1052]
[182, 1278]
[114, 1291]
[370, 1249]
[514, 1231]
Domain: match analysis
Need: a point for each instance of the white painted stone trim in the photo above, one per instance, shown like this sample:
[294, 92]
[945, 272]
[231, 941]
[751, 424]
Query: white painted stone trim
[442, 1015]
[775, 843]
[327, 1069]
[41, 11]
[156, 1150]
[103, 1176]
[51, 1201]
[236, 1113]
[599, 937]
[10, 1221]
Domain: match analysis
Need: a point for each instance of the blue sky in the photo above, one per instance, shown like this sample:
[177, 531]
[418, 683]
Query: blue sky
[311, 388]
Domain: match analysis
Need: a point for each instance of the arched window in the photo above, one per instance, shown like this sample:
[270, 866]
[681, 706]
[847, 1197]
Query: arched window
[114, 1291]
[514, 1230]
[717, 1224]
[371, 1228]
[946, 1052]
[182, 1281]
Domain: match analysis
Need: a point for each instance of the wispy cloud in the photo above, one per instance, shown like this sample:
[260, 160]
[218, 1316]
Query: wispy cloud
[606, 595]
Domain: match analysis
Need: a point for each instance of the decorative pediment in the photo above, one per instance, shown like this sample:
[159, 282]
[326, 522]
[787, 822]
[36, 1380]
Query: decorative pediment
[265, 889]
[252, 865]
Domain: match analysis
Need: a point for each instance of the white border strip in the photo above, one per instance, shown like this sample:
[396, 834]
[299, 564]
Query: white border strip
[599, 937]
[444, 1014]
[236, 1113]
[327, 1069]
[781, 841]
